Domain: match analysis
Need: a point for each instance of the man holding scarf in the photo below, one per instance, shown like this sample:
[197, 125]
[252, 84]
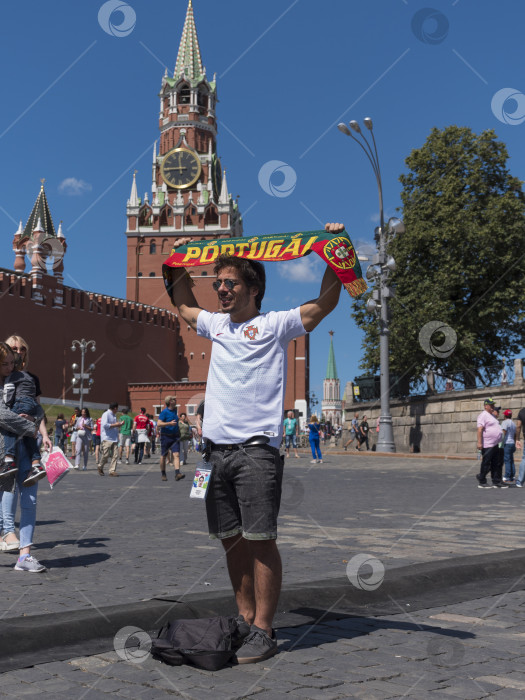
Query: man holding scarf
[243, 426]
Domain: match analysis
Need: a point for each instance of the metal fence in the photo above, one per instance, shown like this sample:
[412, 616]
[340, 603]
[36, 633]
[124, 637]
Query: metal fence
[501, 374]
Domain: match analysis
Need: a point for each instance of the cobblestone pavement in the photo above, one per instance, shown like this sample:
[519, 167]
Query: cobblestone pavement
[109, 541]
[469, 650]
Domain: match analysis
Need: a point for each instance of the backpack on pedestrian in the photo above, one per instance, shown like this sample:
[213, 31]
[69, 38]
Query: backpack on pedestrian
[208, 643]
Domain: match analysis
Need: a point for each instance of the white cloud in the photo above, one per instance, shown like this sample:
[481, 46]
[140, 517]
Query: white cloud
[302, 270]
[72, 186]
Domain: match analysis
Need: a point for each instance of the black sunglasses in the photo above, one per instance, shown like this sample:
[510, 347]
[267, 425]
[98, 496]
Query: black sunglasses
[229, 284]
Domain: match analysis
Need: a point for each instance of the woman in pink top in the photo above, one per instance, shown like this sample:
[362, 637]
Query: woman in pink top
[489, 434]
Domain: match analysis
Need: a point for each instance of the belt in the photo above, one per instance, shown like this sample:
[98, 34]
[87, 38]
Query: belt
[255, 440]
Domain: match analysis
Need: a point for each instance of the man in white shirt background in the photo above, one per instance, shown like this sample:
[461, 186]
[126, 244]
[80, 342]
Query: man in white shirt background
[109, 430]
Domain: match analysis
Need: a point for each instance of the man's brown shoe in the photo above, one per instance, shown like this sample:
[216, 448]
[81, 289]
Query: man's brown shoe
[113, 474]
[164, 477]
[100, 471]
[179, 476]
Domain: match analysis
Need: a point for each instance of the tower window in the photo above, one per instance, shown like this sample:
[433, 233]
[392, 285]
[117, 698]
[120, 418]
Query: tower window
[191, 356]
[152, 248]
[212, 216]
[152, 274]
[202, 98]
[184, 95]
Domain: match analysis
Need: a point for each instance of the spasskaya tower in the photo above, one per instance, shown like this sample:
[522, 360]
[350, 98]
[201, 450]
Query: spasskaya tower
[189, 192]
[189, 197]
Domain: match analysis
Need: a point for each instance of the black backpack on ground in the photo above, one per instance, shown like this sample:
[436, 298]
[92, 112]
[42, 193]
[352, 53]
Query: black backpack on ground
[208, 643]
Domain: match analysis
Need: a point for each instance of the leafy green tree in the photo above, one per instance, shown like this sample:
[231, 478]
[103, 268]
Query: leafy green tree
[461, 260]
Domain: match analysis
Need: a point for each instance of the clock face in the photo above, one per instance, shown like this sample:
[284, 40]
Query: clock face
[181, 168]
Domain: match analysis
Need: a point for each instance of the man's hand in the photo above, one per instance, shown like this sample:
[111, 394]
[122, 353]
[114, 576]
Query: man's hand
[182, 241]
[313, 312]
[334, 228]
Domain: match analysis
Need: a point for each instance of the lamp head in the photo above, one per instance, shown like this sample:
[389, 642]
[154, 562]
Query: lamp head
[74, 367]
[391, 264]
[342, 127]
[74, 381]
[371, 305]
[93, 347]
[371, 273]
[91, 368]
[395, 225]
[355, 126]
[73, 348]
[368, 123]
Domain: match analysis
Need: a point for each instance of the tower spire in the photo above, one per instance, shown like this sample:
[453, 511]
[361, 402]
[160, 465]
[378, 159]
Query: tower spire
[331, 369]
[40, 215]
[189, 59]
[134, 198]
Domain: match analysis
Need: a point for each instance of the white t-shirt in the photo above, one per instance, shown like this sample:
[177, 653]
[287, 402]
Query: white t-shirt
[247, 375]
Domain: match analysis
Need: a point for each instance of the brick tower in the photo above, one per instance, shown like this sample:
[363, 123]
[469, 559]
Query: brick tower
[189, 195]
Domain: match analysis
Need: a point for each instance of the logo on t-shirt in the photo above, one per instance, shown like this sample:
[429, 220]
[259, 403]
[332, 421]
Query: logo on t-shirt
[251, 332]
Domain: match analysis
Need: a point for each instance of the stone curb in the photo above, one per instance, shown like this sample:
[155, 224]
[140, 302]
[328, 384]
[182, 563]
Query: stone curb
[27, 641]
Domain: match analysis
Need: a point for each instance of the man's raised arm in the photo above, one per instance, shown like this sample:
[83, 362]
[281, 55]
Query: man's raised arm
[181, 293]
[313, 312]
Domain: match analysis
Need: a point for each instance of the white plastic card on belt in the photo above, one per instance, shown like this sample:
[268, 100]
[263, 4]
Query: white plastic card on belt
[201, 480]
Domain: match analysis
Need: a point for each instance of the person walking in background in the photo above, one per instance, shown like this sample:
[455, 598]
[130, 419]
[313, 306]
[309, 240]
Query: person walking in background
[72, 431]
[313, 438]
[168, 424]
[109, 427]
[96, 440]
[141, 426]
[125, 435]
[60, 434]
[509, 446]
[83, 429]
[354, 431]
[364, 429]
[488, 436]
[185, 437]
[291, 431]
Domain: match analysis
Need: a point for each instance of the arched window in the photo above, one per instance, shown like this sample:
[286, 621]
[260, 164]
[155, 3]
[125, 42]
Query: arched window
[184, 94]
[191, 356]
[145, 217]
[166, 248]
[190, 211]
[152, 248]
[211, 217]
[202, 97]
[165, 216]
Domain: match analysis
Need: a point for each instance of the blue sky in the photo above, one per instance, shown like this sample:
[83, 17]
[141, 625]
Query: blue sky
[80, 108]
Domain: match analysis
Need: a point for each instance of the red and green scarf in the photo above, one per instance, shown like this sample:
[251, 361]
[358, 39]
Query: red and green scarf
[335, 249]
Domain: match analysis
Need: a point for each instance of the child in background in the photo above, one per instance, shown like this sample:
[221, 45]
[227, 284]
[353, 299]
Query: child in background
[19, 394]
[509, 445]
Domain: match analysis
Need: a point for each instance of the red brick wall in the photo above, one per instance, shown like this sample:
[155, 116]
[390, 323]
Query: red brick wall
[133, 343]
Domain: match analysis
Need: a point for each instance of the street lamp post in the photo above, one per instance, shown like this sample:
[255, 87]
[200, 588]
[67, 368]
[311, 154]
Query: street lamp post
[78, 378]
[383, 265]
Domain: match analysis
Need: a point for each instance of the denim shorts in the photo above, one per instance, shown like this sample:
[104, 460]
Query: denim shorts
[290, 440]
[244, 494]
[167, 443]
